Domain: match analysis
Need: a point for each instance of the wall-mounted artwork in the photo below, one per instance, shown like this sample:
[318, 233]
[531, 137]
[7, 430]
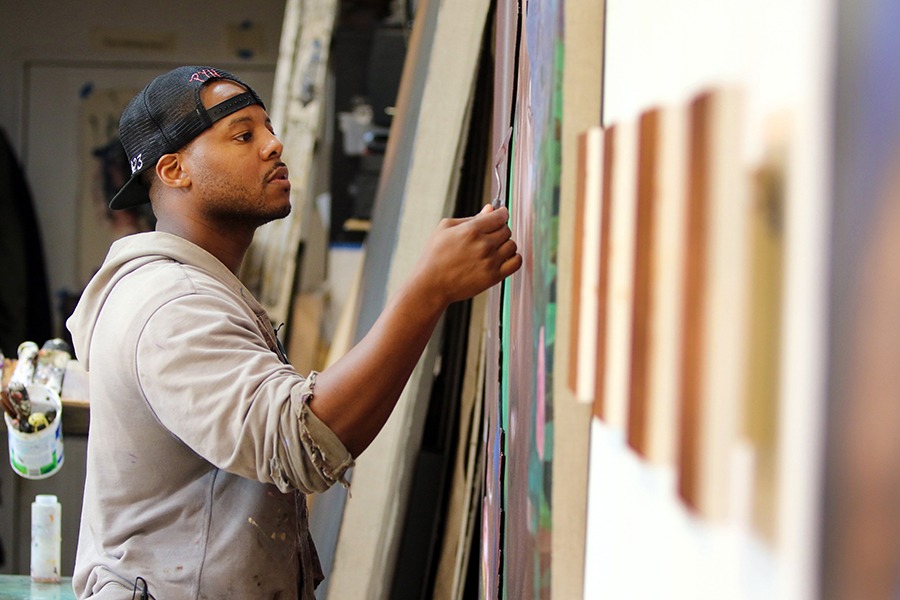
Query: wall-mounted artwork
[529, 313]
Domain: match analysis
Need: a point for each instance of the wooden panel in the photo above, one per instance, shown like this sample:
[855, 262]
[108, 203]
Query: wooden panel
[644, 246]
[586, 266]
[667, 288]
[694, 302]
[270, 266]
[658, 289]
[606, 213]
[468, 467]
[760, 422]
[577, 259]
[369, 539]
[620, 282]
[713, 376]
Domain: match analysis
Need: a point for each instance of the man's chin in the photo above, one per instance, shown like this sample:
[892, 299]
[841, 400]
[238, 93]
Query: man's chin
[278, 212]
[275, 214]
[285, 211]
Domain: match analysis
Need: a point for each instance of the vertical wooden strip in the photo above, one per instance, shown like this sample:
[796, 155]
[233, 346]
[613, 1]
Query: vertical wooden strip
[667, 288]
[641, 334]
[694, 302]
[620, 278]
[760, 424]
[588, 228]
[726, 338]
[576, 317]
[606, 209]
[715, 349]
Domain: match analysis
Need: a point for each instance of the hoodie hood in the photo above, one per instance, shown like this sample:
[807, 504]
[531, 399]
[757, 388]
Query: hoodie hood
[127, 255]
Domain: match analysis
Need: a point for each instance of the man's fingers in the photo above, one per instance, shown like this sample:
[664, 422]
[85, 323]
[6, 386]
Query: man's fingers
[507, 249]
[510, 265]
[497, 237]
[486, 220]
[490, 220]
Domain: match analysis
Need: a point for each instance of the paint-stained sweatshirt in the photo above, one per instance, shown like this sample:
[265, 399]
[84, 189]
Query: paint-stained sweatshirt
[202, 444]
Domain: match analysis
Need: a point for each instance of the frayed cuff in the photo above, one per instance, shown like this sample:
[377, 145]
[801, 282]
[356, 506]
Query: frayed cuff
[326, 451]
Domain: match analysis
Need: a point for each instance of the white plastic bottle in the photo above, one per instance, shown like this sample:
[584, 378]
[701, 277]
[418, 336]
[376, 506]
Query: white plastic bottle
[46, 538]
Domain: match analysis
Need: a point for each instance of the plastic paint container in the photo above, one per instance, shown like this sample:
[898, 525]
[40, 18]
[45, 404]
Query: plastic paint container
[37, 455]
[46, 538]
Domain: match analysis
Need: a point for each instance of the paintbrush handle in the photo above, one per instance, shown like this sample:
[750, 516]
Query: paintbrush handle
[18, 396]
[7, 404]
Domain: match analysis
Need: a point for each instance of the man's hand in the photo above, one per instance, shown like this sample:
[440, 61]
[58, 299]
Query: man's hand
[355, 396]
[467, 256]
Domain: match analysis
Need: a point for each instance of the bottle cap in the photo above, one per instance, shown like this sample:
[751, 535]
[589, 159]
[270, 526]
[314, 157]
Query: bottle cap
[45, 499]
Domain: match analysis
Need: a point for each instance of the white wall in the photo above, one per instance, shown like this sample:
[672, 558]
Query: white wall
[50, 50]
[780, 53]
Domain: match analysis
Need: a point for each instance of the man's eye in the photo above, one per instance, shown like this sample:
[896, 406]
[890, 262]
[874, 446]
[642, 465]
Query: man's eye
[244, 137]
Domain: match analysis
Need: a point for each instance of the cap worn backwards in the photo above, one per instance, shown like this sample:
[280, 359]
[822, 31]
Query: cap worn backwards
[164, 117]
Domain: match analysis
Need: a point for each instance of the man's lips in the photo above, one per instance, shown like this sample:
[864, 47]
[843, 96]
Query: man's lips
[279, 173]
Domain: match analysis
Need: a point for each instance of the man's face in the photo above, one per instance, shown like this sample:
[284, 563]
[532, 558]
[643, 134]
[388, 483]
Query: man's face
[235, 166]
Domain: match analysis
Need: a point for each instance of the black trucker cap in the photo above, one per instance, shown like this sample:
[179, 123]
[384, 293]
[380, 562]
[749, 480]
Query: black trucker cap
[164, 117]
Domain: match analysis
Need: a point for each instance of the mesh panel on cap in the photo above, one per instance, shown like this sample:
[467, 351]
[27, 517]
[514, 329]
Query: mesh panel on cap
[165, 116]
[176, 114]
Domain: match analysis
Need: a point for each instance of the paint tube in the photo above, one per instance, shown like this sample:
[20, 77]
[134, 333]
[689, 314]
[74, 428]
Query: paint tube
[51, 364]
[24, 371]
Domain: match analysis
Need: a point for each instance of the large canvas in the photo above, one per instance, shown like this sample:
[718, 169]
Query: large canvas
[506, 31]
[530, 311]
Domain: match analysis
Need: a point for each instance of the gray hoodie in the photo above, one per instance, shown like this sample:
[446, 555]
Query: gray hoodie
[202, 444]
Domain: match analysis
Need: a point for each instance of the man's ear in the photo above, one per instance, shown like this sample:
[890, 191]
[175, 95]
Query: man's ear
[170, 172]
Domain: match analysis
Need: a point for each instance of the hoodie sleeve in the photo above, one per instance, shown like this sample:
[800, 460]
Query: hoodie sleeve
[209, 377]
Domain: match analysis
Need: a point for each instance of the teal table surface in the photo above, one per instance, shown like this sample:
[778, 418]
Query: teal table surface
[20, 587]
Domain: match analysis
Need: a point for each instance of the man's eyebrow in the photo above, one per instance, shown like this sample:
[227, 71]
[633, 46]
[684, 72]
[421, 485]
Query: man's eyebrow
[245, 118]
[240, 119]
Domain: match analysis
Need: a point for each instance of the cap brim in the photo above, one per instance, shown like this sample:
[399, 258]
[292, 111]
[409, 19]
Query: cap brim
[133, 193]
